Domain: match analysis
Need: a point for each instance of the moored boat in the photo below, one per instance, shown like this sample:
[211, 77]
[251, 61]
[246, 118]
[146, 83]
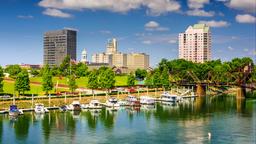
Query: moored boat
[94, 104]
[112, 102]
[76, 106]
[166, 97]
[39, 108]
[14, 111]
[147, 100]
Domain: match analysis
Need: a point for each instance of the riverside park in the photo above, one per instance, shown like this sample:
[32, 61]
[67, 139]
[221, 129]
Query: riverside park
[181, 101]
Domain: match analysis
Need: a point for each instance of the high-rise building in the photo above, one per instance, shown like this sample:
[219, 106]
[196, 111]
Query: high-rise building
[84, 56]
[59, 44]
[102, 58]
[137, 61]
[119, 60]
[111, 46]
[195, 43]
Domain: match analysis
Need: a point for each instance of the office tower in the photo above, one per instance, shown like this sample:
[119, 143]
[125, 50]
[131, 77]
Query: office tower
[59, 44]
[111, 46]
[195, 43]
[137, 60]
[119, 60]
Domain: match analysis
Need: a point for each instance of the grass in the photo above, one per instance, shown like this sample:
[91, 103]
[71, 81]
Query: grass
[37, 89]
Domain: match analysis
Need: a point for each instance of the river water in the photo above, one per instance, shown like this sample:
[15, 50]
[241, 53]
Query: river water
[227, 120]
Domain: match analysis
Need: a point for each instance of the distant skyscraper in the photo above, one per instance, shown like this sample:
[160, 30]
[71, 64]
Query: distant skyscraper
[195, 43]
[84, 56]
[112, 46]
[59, 44]
[137, 61]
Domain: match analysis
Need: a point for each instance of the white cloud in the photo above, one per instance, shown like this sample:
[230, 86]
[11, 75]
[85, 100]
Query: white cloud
[198, 12]
[56, 13]
[246, 18]
[153, 7]
[214, 23]
[197, 4]
[230, 48]
[147, 42]
[105, 32]
[25, 16]
[245, 5]
[154, 26]
[246, 50]
[172, 41]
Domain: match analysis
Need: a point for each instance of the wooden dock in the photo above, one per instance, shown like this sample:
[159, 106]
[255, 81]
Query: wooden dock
[28, 109]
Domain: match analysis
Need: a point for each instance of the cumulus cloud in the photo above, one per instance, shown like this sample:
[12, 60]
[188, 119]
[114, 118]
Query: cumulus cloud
[147, 42]
[230, 48]
[153, 7]
[199, 12]
[25, 16]
[154, 26]
[196, 4]
[214, 23]
[246, 18]
[56, 13]
[245, 5]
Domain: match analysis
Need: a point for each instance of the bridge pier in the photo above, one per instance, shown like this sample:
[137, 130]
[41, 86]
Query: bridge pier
[200, 90]
[241, 92]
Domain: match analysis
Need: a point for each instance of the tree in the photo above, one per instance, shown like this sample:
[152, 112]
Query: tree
[81, 69]
[1, 79]
[22, 82]
[34, 72]
[13, 70]
[47, 84]
[93, 80]
[106, 79]
[131, 80]
[140, 74]
[165, 78]
[156, 78]
[149, 80]
[72, 83]
[65, 66]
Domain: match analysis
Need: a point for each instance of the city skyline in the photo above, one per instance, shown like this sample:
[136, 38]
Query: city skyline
[149, 27]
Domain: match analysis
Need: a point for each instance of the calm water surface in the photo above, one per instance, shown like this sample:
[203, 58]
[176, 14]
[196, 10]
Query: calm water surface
[227, 119]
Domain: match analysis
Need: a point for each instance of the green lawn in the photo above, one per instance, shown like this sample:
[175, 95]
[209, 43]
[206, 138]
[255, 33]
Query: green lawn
[37, 89]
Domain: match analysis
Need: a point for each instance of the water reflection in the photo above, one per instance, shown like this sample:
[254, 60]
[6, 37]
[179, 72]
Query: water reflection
[191, 120]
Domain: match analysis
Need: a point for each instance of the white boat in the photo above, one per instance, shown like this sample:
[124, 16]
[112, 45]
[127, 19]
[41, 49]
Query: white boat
[122, 103]
[39, 108]
[14, 111]
[131, 98]
[166, 97]
[75, 106]
[147, 100]
[112, 102]
[94, 104]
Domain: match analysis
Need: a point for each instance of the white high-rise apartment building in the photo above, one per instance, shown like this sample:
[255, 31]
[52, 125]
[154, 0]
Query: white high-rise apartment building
[112, 46]
[195, 43]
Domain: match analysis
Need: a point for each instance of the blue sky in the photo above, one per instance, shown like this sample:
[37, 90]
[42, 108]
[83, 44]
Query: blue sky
[149, 26]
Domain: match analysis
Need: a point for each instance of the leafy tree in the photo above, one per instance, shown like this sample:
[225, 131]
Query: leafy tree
[93, 80]
[81, 69]
[34, 72]
[156, 78]
[13, 70]
[72, 83]
[140, 74]
[131, 80]
[165, 78]
[149, 80]
[47, 84]
[1, 79]
[65, 66]
[55, 71]
[106, 79]
[22, 82]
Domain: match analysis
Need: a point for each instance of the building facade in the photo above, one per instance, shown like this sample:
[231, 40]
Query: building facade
[59, 44]
[111, 46]
[137, 61]
[119, 60]
[195, 43]
[102, 58]
[84, 56]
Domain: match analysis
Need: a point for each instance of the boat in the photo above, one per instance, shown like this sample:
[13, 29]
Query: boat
[64, 108]
[166, 97]
[94, 104]
[39, 108]
[122, 103]
[75, 106]
[147, 100]
[131, 98]
[112, 102]
[14, 111]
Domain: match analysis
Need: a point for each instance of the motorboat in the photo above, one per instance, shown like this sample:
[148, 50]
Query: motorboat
[166, 97]
[123, 103]
[94, 104]
[64, 108]
[39, 108]
[75, 106]
[14, 111]
[147, 100]
[131, 98]
[112, 102]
